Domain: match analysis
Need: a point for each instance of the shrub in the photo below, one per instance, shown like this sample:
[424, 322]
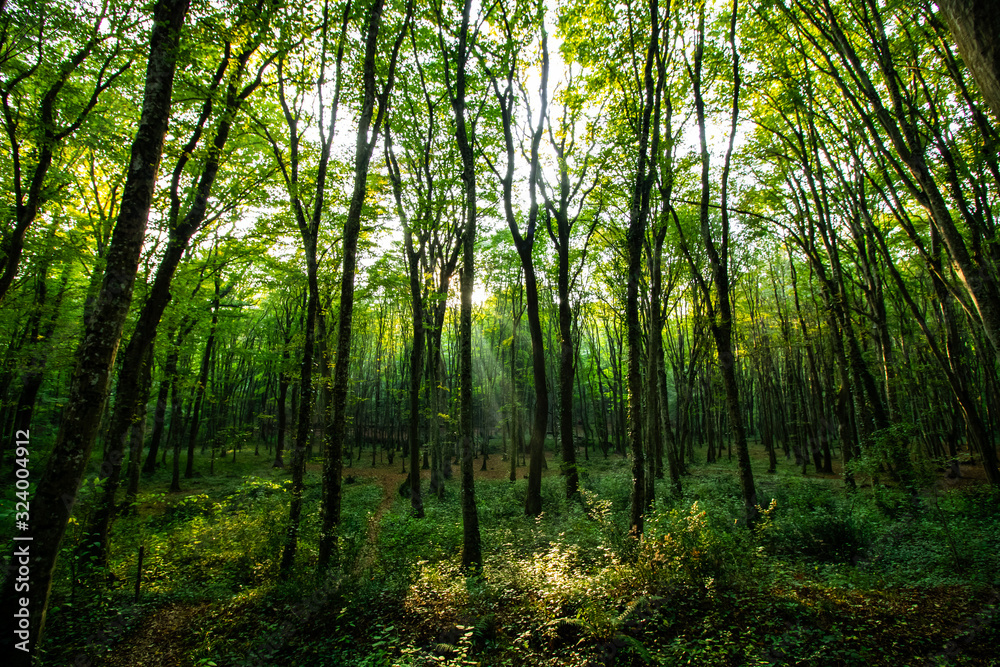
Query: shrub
[813, 523]
[693, 548]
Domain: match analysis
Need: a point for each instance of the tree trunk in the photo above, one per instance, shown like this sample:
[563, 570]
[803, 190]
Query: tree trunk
[976, 26]
[413, 259]
[645, 173]
[304, 422]
[169, 380]
[718, 256]
[369, 127]
[202, 386]
[658, 371]
[471, 545]
[566, 369]
[138, 434]
[40, 334]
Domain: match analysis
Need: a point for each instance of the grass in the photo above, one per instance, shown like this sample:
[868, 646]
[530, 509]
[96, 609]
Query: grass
[876, 577]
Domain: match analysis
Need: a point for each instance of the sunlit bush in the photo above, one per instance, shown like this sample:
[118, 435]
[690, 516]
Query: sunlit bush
[690, 547]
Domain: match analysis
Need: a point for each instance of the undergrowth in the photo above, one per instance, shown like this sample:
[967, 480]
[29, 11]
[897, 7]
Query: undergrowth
[879, 576]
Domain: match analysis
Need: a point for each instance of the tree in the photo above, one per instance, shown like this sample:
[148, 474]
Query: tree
[647, 132]
[525, 243]
[424, 191]
[292, 101]
[231, 70]
[58, 485]
[374, 107]
[457, 86]
[975, 25]
[720, 310]
[564, 143]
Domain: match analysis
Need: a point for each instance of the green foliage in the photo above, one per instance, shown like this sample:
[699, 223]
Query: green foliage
[690, 548]
[814, 523]
[215, 546]
[613, 527]
[404, 541]
[570, 587]
[943, 542]
[887, 453]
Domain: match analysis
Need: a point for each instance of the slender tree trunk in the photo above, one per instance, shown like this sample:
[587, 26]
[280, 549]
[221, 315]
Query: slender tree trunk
[638, 216]
[566, 370]
[138, 434]
[533, 498]
[718, 255]
[169, 380]
[658, 371]
[174, 435]
[524, 243]
[304, 422]
[433, 383]
[40, 333]
[413, 258]
[369, 127]
[471, 545]
[652, 427]
[202, 386]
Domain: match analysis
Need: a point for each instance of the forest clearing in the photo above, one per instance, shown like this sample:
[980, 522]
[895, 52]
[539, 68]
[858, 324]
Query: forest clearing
[504, 332]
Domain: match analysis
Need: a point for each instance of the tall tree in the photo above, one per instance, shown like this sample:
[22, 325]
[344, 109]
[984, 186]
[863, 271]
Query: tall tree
[232, 68]
[569, 191]
[424, 183]
[457, 84]
[721, 308]
[307, 217]
[374, 107]
[59, 483]
[641, 185]
[504, 91]
[414, 259]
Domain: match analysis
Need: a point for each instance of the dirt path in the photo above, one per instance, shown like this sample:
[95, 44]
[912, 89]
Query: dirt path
[162, 640]
[388, 478]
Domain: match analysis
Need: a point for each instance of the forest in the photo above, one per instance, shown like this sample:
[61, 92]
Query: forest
[580, 333]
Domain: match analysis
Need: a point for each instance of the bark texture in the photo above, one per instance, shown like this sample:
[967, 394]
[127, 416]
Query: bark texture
[976, 27]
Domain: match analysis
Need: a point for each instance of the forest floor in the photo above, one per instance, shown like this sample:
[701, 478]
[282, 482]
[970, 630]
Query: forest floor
[389, 480]
[166, 636]
[873, 578]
